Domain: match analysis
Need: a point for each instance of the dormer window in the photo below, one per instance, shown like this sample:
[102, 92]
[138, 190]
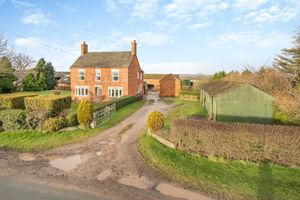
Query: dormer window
[98, 74]
[115, 73]
[81, 74]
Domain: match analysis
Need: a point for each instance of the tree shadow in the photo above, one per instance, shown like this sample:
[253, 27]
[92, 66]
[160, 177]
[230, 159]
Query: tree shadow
[265, 189]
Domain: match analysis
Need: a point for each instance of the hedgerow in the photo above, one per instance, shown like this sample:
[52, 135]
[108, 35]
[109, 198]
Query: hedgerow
[48, 103]
[252, 142]
[14, 100]
[54, 124]
[12, 119]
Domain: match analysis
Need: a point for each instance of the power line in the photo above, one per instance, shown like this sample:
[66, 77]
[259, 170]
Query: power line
[43, 44]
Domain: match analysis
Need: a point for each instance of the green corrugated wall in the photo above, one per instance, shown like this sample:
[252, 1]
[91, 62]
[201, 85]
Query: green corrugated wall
[243, 104]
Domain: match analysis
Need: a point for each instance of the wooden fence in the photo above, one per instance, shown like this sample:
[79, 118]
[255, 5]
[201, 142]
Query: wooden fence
[102, 115]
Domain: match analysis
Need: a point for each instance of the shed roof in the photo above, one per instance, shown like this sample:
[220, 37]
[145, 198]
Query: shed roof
[104, 59]
[157, 76]
[170, 75]
[216, 88]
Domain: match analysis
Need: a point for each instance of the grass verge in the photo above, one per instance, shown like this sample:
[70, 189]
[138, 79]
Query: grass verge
[221, 178]
[183, 110]
[36, 140]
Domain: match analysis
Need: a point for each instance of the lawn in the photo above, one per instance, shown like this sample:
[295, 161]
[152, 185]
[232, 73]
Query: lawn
[184, 109]
[221, 178]
[45, 92]
[35, 140]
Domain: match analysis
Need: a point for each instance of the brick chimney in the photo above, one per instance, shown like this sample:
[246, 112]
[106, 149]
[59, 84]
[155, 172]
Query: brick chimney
[133, 48]
[84, 48]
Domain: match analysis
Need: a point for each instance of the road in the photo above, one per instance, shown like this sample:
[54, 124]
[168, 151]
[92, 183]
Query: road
[107, 164]
[11, 189]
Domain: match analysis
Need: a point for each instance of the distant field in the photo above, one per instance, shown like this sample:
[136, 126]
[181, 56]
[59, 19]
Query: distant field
[45, 92]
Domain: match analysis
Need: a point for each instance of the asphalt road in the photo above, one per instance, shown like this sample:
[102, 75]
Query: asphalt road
[11, 189]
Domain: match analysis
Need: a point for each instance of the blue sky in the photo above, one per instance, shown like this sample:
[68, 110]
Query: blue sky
[174, 36]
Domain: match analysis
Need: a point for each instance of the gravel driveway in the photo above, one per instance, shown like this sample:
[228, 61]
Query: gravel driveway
[107, 164]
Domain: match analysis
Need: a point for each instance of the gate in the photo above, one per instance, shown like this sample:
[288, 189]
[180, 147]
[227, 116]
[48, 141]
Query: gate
[102, 115]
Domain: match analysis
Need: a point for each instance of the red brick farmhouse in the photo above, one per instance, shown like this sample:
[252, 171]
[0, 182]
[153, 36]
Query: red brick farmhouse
[98, 76]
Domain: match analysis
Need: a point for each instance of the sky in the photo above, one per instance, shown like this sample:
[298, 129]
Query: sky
[173, 36]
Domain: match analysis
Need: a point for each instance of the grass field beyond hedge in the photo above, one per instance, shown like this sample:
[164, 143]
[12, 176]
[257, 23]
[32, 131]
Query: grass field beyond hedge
[36, 140]
[222, 178]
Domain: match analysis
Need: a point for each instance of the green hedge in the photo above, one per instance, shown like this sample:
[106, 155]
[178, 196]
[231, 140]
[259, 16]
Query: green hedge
[14, 100]
[241, 141]
[120, 103]
[49, 103]
[12, 119]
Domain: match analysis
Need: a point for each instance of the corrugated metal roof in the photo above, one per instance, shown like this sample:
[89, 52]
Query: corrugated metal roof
[157, 76]
[104, 59]
[214, 88]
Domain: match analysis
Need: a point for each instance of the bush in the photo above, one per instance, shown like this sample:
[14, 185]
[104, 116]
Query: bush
[72, 119]
[85, 113]
[12, 119]
[6, 85]
[14, 100]
[48, 103]
[241, 141]
[53, 124]
[56, 92]
[285, 118]
[155, 121]
[35, 120]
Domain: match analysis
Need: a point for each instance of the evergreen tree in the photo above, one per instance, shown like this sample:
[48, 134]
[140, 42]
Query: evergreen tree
[49, 72]
[7, 77]
[289, 61]
[219, 75]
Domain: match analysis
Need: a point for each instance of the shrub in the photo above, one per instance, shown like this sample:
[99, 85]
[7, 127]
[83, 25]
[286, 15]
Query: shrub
[242, 141]
[14, 100]
[85, 113]
[56, 92]
[53, 124]
[12, 119]
[35, 120]
[155, 121]
[48, 103]
[72, 119]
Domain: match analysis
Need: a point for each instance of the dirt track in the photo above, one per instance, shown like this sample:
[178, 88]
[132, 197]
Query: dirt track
[104, 164]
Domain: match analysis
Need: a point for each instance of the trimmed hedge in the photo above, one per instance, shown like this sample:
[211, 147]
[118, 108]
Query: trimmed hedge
[54, 124]
[120, 103]
[155, 121]
[14, 100]
[252, 142]
[85, 113]
[12, 119]
[49, 103]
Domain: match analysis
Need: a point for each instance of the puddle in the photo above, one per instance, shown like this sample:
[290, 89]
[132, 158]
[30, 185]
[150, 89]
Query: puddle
[103, 175]
[27, 157]
[68, 163]
[171, 190]
[134, 182]
[53, 157]
[99, 153]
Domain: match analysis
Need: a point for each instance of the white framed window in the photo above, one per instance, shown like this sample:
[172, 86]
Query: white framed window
[140, 88]
[115, 92]
[98, 90]
[82, 91]
[115, 73]
[138, 75]
[81, 74]
[98, 74]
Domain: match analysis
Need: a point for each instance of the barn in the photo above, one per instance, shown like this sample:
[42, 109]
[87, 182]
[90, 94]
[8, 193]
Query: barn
[170, 86]
[236, 102]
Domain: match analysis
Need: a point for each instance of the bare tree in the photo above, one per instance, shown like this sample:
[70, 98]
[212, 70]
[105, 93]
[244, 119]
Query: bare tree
[22, 62]
[5, 50]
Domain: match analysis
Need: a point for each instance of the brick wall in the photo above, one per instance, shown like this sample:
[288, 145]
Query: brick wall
[133, 82]
[170, 86]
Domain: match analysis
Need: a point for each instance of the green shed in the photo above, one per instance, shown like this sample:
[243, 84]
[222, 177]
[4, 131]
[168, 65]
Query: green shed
[236, 102]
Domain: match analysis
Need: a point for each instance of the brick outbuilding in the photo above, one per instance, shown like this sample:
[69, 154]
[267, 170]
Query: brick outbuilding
[170, 86]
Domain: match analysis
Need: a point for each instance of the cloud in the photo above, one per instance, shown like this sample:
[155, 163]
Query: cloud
[36, 18]
[68, 7]
[199, 25]
[272, 14]
[149, 38]
[144, 9]
[22, 4]
[179, 67]
[249, 4]
[28, 42]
